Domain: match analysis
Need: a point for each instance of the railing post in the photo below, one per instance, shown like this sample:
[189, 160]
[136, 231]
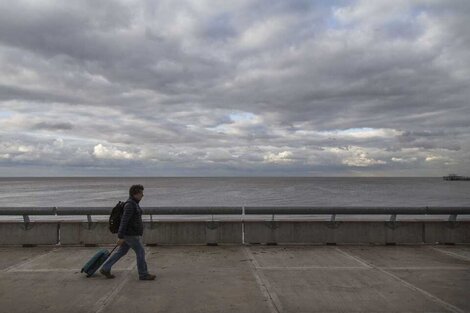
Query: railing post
[453, 221]
[151, 221]
[26, 221]
[392, 223]
[453, 218]
[333, 223]
[243, 224]
[90, 222]
[273, 226]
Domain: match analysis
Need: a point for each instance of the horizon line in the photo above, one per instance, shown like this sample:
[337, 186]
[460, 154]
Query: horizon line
[225, 176]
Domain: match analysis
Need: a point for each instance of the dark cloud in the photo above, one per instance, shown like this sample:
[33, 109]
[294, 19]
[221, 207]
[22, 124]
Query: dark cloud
[261, 87]
[9, 93]
[53, 126]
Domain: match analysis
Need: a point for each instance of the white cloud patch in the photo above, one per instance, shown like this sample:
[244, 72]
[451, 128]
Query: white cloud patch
[434, 158]
[103, 152]
[280, 157]
[355, 156]
[362, 133]
[218, 155]
[404, 160]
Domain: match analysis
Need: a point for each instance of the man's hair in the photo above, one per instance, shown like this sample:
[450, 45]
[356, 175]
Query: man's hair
[135, 189]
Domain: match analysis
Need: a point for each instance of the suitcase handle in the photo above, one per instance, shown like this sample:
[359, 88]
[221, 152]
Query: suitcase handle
[113, 249]
[110, 253]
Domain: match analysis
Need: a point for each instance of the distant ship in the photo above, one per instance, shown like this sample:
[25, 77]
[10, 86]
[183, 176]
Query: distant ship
[455, 177]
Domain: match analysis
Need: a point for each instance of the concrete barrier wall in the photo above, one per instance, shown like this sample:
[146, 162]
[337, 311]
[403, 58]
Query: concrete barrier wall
[202, 232]
[82, 233]
[337, 232]
[193, 233]
[72, 233]
[313, 232]
[450, 232]
[404, 232]
[37, 233]
[374, 232]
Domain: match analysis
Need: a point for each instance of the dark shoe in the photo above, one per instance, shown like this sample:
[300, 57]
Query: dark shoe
[148, 277]
[107, 274]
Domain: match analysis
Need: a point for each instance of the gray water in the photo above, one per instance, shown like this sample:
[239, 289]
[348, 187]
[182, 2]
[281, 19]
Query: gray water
[235, 191]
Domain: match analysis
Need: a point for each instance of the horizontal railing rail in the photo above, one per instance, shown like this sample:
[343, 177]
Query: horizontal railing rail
[231, 210]
[157, 210]
[27, 211]
[357, 210]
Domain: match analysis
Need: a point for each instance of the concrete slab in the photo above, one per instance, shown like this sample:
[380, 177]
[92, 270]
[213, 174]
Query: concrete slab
[241, 279]
[12, 256]
[187, 257]
[193, 279]
[303, 284]
[459, 252]
[303, 257]
[317, 290]
[437, 274]
[69, 292]
[452, 286]
[404, 256]
[71, 259]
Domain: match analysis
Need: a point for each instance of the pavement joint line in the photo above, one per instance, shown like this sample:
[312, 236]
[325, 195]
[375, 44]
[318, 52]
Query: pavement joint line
[47, 270]
[419, 268]
[28, 261]
[103, 302]
[273, 301]
[365, 264]
[448, 306]
[288, 268]
[452, 254]
[363, 268]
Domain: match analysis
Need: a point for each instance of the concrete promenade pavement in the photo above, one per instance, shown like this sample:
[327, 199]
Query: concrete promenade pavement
[241, 278]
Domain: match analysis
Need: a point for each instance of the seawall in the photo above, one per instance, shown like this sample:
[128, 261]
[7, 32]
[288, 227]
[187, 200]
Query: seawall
[262, 231]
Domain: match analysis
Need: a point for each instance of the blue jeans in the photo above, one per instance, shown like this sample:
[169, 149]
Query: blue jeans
[134, 242]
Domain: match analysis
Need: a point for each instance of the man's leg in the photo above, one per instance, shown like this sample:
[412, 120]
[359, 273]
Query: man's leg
[122, 251]
[135, 243]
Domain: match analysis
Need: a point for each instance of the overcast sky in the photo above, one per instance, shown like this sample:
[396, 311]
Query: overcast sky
[234, 88]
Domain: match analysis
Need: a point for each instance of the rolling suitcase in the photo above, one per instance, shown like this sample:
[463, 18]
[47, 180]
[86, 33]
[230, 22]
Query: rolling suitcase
[96, 261]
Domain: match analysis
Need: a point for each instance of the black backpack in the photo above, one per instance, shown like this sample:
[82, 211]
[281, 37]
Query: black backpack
[115, 217]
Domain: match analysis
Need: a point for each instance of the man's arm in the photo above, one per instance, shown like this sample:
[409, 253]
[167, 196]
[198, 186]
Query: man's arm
[126, 216]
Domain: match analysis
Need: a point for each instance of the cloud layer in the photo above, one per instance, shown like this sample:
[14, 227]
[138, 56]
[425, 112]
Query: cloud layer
[204, 88]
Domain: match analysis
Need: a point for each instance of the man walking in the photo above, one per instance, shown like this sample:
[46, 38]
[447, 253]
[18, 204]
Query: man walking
[130, 235]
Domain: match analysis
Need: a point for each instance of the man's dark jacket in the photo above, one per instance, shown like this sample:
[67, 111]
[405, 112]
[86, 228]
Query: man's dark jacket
[131, 222]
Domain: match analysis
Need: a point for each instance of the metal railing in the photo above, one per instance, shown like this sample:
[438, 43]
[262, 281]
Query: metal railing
[242, 210]
[238, 210]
